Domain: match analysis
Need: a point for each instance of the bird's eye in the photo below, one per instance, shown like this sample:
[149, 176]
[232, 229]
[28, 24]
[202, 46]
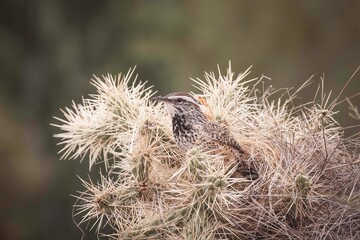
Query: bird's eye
[179, 100]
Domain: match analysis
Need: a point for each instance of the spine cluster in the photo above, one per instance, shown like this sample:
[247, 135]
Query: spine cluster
[309, 173]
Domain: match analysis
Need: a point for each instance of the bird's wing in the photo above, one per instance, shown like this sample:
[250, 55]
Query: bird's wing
[223, 136]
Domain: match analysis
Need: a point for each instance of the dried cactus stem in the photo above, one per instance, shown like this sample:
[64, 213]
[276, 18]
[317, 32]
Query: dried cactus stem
[302, 185]
[141, 170]
[196, 166]
[298, 203]
[153, 229]
[197, 213]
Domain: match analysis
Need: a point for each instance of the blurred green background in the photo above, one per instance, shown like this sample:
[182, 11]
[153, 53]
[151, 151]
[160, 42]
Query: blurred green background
[50, 49]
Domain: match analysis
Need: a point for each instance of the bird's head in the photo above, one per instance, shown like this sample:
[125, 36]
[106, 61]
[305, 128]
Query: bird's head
[179, 103]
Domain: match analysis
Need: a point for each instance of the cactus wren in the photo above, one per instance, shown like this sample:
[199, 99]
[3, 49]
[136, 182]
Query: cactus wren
[192, 128]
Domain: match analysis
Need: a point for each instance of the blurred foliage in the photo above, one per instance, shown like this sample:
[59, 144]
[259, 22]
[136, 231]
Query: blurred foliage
[50, 49]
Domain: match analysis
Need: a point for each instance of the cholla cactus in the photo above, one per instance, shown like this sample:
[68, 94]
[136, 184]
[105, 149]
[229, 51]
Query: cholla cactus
[308, 185]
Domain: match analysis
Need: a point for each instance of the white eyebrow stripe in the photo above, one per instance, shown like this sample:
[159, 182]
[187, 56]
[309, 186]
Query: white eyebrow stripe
[186, 98]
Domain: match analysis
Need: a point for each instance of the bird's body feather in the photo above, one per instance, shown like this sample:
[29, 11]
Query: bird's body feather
[192, 128]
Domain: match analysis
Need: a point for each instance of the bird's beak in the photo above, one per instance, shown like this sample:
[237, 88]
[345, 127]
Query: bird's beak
[158, 98]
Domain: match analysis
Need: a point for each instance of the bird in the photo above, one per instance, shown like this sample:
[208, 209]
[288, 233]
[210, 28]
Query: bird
[192, 127]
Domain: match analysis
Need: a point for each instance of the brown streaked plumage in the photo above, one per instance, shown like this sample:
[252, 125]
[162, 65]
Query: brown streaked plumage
[192, 128]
